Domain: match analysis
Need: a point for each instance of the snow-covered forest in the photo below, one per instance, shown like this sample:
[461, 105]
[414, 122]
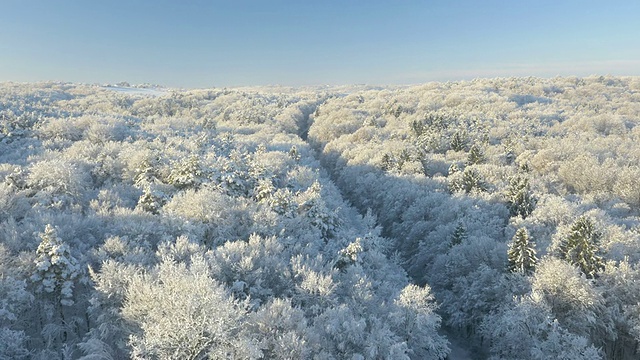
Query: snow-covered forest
[321, 223]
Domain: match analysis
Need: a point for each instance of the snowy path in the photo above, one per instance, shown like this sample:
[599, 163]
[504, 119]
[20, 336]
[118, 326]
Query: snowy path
[458, 353]
[460, 348]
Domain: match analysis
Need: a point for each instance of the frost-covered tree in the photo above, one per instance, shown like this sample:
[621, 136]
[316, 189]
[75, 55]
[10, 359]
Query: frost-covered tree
[282, 202]
[187, 174]
[526, 330]
[15, 303]
[234, 173]
[282, 331]
[146, 172]
[108, 338]
[350, 255]
[151, 199]
[54, 278]
[256, 269]
[522, 253]
[313, 207]
[56, 269]
[575, 303]
[580, 248]
[263, 190]
[419, 323]
[13, 344]
[59, 180]
[180, 312]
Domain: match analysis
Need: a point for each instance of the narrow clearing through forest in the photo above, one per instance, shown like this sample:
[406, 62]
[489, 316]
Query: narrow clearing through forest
[461, 348]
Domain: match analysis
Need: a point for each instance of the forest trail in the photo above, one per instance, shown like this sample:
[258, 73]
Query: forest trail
[460, 347]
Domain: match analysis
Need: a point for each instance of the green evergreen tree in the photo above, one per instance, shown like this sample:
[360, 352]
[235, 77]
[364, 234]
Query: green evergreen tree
[520, 200]
[387, 162]
[580, 248]
[453, 168]
[459, 235]
[417, 127]
[476, 155]
[458, 141]
[471, 179]
[522, 253]
[468, 181]
[403, 157]
[398, 111]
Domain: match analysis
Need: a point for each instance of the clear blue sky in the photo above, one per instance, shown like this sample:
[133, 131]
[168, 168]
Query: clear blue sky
[213, 43]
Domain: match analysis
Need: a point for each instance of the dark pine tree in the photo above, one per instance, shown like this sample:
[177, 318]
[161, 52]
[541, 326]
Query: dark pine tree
[458, 141]
[520, 200]
[459, 235]
[580, 248]
[522, 253]
[476, 155]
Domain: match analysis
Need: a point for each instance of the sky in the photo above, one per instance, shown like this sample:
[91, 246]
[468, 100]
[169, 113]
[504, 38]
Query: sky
[203, 44]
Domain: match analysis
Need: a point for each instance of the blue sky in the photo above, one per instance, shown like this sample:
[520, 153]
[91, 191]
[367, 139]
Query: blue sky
[296, 42]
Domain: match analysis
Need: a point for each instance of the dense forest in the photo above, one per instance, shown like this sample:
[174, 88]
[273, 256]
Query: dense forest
[321, 223]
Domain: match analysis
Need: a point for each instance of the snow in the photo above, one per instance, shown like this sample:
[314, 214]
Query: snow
[457, 351]
[461, 348]
[137, 91]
